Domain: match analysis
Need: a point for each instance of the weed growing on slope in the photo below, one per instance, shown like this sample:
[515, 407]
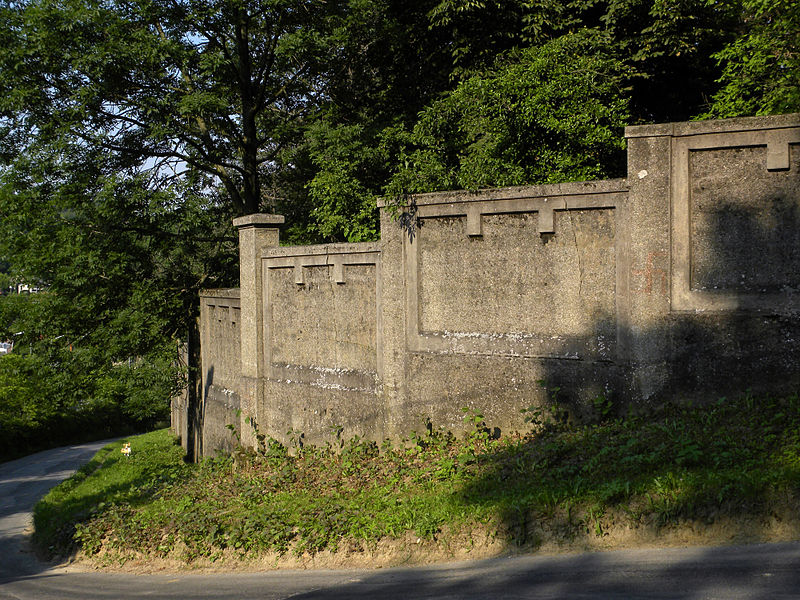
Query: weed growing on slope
[731, 458]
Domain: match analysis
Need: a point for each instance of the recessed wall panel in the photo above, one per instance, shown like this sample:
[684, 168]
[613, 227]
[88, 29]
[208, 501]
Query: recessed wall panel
[222, 352]
[744, 238]
[514, 291]
[322, 323]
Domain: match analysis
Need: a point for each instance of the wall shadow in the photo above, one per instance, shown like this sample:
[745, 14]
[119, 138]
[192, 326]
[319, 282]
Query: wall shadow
[743, 359]
[756, 573]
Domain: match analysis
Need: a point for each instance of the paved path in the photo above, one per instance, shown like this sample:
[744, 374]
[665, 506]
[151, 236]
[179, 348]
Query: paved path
[758, 572]
[22, 483]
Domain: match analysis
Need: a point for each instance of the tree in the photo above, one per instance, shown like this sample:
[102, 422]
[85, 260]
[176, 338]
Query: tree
[366, 146]
[667, 44]
[386, 68]
[761, 66]
[211, 90]
[542, 115]
[123, 266]
[132, 132]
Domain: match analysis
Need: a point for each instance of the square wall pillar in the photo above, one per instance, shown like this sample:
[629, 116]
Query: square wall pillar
[393, 326]
[256, 233]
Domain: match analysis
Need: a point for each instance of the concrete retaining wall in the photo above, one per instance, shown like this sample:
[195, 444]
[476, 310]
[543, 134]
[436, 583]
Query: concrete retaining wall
[680, 281]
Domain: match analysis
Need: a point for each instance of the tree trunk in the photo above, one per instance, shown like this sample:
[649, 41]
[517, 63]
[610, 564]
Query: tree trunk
[249, 147]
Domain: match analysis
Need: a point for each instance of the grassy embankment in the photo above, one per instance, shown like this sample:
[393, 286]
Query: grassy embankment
[557, 484]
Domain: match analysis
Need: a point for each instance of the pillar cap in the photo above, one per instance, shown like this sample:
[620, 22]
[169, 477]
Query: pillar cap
[258, 220]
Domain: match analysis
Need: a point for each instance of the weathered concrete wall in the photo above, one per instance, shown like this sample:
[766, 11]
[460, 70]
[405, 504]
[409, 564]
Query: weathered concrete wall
[322, 349]
[713, 222]
[679, 281]
[220, 330]
[503, 289]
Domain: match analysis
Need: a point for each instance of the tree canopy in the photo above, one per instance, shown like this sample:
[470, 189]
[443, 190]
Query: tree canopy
[177, 89]
[545, 114]
[132, 131]
[760, 67]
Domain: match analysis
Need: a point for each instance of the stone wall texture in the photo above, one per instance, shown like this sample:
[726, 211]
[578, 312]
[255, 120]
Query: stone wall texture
[220, 343]
[679, 282]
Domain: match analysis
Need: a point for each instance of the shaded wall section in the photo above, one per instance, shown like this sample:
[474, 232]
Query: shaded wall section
[220, 331]
[504, 289]
[179, 404]
[679, 282]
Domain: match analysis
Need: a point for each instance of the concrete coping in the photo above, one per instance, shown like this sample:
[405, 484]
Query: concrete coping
[738, 124]
[322, 249]
[549, 190]
[258, 220]
[220, 293]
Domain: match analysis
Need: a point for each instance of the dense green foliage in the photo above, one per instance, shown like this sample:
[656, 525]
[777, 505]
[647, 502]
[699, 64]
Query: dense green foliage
[634, 60]
[121, 266]
[48, 400]
[735, 458]
[547, 114]
[185, 89]
[761, 66]
[131, 133]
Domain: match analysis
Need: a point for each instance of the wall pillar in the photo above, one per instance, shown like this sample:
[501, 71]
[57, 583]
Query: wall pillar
[644, 313]
[393, 333]
[256, 233]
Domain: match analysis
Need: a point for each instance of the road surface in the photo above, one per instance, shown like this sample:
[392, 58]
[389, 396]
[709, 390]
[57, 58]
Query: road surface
[757, 572]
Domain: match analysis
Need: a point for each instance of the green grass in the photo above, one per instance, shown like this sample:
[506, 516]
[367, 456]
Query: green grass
[108, 480]
[732, 458]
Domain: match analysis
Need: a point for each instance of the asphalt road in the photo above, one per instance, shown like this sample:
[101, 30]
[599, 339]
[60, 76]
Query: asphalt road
[765, 571]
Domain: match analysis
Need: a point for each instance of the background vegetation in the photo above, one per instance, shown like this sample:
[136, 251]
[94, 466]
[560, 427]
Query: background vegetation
[132, 132]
